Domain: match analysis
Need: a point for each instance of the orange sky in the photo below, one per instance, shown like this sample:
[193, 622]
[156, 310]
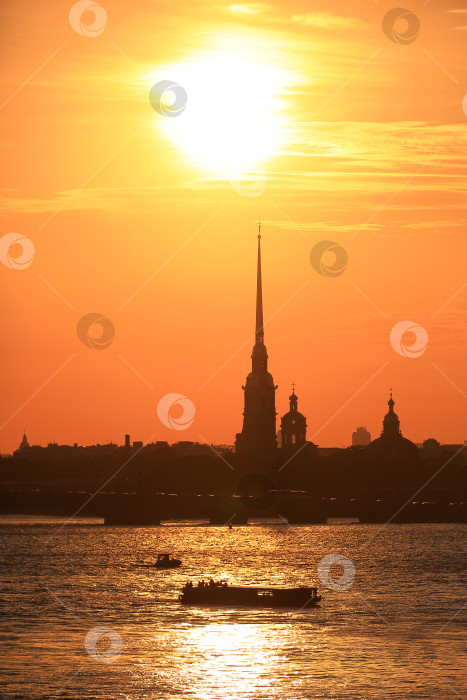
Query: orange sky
[352, 137]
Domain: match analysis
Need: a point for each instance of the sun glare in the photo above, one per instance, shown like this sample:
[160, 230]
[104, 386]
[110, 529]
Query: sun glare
[233, 115]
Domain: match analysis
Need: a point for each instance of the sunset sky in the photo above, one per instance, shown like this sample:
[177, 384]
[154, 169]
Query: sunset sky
[304, 114]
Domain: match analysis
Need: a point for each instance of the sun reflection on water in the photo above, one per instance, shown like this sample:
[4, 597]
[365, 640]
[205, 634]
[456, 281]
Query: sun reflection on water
[230, 660]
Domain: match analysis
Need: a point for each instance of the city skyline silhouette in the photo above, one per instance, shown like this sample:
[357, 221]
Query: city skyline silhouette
[261, 432]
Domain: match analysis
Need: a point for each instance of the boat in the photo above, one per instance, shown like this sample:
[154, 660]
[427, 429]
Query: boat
[221, 594]
[165, 562]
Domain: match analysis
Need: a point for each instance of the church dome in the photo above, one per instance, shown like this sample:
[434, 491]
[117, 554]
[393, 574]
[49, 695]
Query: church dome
[388, 448]
[431, 444]
[293, 417]
[391, 445]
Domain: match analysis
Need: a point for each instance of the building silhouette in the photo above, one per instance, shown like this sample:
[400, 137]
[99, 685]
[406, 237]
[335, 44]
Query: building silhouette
[258, 435]
[293, 425]
[361, 437]
[391, 445]
[24, 445]
[431, 446]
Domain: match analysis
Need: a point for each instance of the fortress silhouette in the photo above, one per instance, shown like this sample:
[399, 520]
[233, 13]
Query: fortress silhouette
[258, 435]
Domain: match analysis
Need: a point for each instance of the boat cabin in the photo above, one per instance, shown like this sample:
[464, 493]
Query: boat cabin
[163, 557]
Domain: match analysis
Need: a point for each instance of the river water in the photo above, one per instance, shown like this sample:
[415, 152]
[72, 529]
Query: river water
[82, 617]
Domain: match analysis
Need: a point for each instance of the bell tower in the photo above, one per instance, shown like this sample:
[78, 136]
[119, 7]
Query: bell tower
[258, 434]
[293, 424]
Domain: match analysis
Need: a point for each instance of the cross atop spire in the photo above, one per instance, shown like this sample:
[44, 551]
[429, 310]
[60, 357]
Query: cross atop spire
[259, 228]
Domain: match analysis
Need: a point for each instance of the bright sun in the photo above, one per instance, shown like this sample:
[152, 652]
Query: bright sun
[232, 120]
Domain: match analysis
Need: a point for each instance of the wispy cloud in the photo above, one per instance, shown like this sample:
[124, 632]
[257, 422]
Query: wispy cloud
[326, 20]
[394, 227]
[87, 200]
[248, 8]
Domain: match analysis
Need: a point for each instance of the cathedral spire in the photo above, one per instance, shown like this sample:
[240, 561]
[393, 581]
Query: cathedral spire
[259, 333]
[258, 436]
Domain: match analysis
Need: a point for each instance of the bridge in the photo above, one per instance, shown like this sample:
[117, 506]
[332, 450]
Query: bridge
[366, 506]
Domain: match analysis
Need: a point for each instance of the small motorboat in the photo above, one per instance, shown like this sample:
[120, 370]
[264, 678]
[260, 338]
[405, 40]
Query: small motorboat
[221, 594]
[164, 561]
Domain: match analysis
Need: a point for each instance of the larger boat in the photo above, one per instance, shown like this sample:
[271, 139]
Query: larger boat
[221, 594]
